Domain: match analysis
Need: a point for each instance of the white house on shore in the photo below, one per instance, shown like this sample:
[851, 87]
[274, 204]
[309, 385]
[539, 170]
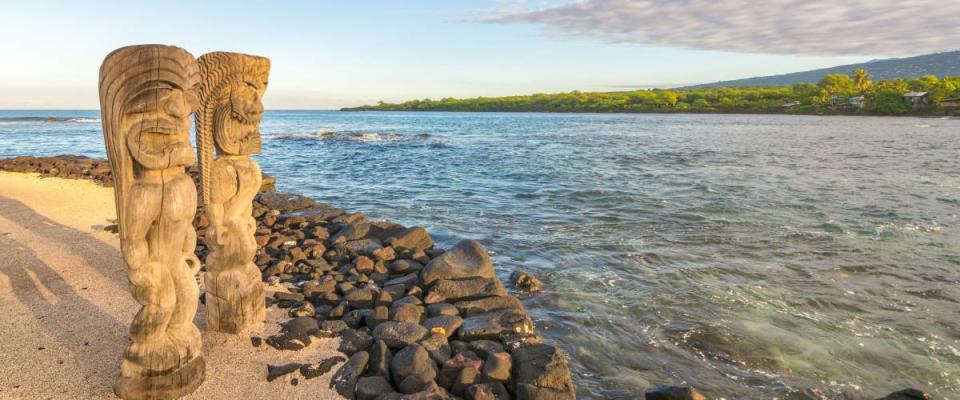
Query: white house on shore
[917, 99]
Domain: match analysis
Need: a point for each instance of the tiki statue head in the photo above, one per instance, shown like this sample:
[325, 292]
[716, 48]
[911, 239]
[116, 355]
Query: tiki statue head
[147, 94]
[231, 107]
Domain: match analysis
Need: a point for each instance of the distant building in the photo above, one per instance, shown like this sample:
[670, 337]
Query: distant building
[791, 105]
[856, 102]
[916, 99]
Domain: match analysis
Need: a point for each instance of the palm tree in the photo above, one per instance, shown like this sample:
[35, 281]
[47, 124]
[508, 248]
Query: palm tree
[861, 79]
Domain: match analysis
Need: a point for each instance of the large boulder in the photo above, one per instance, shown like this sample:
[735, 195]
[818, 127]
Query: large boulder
[350, 232]
[468, 289]
[411, 238]
[468, 259]
[398, 334]
[285, 201]
[493, 325]
[485, 305]
[541, 372]
[412, 360]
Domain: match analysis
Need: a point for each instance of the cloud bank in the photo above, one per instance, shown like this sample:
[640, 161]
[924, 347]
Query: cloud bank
[800, 27]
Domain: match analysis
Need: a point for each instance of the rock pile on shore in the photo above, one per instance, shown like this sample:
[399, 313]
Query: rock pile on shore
[416, 322]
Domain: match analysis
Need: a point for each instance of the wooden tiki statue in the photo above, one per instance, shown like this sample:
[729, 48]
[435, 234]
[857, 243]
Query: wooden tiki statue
[147, 94]
[228, 123]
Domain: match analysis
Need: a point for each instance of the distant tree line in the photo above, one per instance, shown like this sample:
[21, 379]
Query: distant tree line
[835, 93]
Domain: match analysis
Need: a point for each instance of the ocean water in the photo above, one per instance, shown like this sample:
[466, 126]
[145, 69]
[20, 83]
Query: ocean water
[751, 256]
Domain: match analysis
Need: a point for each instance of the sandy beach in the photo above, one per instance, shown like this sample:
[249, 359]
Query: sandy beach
[66, 306]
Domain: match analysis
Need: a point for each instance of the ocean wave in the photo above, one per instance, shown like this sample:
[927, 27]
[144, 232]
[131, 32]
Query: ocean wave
[12, 120]
[350, 136]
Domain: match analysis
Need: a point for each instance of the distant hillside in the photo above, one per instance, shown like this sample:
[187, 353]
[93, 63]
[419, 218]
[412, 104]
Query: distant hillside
[938, 64]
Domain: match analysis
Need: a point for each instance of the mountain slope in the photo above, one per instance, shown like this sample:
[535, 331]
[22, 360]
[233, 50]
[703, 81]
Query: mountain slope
[939, 64]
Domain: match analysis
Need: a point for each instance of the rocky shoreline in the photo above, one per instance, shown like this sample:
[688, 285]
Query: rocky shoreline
[415, 321]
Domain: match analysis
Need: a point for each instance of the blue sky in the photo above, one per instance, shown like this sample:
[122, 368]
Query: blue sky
[332, 54]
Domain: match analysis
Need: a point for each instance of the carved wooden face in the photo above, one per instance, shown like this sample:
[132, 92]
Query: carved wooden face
[156, 121]
[238, 119]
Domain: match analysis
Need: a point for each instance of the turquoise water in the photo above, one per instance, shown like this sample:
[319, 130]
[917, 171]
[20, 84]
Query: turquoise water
[749, 256]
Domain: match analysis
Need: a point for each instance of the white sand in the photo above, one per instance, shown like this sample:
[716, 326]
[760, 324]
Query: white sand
[65, 305]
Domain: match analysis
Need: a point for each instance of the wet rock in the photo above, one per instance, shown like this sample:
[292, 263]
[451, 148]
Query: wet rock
[285, 201]
[411, 238]
[485, 348]
[435, 310]
[492, 325]
[525, 282]
[310, 371]
[380, 357]
[352, 341]
[470, 308]
[468, 259]
[399, 334]
[541, 372]
[487, 391]
[446, 325]
[412, 360]
[467, 289]
[905, 394]
[497, 368]
[513, 341]
[371, 387]
[276, 371]
[345, 379]
[437, 347]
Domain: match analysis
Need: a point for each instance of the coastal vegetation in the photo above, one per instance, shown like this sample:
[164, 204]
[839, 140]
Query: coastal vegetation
[833, 94]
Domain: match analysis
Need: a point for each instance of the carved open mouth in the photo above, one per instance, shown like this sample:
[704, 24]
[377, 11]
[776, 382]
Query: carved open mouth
[158, 127]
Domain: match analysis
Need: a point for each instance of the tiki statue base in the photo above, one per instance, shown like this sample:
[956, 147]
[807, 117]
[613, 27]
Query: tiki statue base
[172, 385]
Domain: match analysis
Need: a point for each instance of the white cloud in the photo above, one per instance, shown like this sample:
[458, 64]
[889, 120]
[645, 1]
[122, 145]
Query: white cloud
[802, 27]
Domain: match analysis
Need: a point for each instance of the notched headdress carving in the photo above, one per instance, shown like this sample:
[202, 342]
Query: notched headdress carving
[222, 75]
[127, 77]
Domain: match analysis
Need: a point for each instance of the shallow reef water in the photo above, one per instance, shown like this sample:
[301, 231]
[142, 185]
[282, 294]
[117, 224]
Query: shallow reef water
[750, 256]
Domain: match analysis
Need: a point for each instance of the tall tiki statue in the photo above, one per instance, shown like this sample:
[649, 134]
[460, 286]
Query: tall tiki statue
[228, 121]
[147, 94]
